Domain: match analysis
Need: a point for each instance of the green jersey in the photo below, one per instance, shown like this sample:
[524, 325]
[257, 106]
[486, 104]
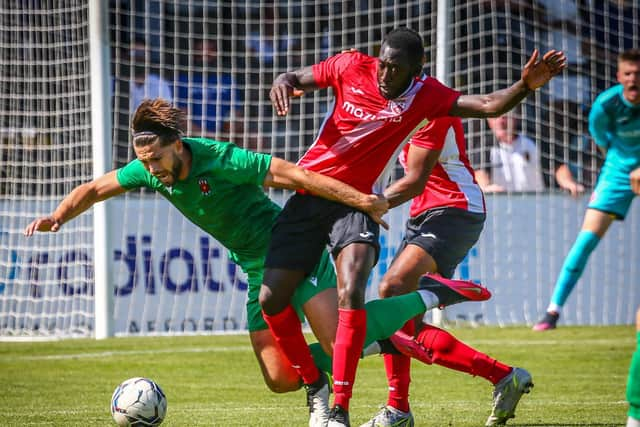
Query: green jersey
[222, 195]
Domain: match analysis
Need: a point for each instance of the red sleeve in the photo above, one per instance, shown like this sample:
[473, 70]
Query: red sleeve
[442, 98]
[327, 72]
[433, 135]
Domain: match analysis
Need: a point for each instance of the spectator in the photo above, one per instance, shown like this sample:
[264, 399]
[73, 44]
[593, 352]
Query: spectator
[145, 83]
[611, 27]
[208, 94]
[569, 94]
[513, 162]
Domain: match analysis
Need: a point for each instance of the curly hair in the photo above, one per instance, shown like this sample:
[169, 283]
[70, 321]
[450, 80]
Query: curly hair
[156, 118]
[407, 39]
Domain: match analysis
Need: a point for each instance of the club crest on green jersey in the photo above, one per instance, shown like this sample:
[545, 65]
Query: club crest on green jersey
[205, 188]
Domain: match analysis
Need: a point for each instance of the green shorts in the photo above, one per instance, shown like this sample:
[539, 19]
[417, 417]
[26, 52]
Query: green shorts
[321, 278]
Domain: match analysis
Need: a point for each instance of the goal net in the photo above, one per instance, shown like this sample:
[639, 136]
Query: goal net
[45, 151]
[216, 60]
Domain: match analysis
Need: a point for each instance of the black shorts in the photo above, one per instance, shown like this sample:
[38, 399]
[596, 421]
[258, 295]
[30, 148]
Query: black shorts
[447, 234]
[308, 224]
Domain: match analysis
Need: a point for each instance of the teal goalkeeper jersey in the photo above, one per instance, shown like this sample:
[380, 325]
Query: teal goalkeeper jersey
[222, 195]
[614, 124]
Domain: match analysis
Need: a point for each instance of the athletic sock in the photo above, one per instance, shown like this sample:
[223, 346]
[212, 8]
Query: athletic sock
[322, 360]
[398, 368]
[346, 353]
[286, 329]
[452, 353]
[633, 383]
[385, 316]
[573, 267]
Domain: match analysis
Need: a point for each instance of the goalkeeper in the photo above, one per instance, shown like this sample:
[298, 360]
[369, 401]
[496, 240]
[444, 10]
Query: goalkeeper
[218, 186]
[614, 124]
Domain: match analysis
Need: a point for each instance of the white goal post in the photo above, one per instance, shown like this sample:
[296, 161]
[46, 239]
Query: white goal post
[72, 71]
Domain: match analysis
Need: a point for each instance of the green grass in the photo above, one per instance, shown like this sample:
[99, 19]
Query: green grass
[579, 374]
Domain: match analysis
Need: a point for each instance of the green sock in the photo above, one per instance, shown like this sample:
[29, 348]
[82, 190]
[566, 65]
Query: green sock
[384, 318]
[321, 359]
[633, 383]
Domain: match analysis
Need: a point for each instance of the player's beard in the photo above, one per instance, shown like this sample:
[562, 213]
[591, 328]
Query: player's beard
[174, 174]
[176, 169]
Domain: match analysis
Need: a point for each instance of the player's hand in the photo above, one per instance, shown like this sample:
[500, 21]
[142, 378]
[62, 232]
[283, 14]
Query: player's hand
[574, 188]
[377, 206]
[281, 91]
[634, 177]
[537, 73]
[45, 223]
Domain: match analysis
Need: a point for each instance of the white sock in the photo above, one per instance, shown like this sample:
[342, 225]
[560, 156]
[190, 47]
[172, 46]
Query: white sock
[632, 422]
[554, 307]
[371, 349]
[429, 298]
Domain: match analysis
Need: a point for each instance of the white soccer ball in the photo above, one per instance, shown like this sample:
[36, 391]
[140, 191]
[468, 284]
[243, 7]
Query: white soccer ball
[138, 402]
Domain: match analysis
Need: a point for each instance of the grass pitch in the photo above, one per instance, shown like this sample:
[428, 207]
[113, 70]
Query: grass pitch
[579, 374]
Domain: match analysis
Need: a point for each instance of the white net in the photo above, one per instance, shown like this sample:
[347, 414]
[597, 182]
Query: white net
[46, 284]
[216, 60]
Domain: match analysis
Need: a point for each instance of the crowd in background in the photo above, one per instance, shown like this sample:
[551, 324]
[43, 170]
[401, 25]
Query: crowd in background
[217, 60]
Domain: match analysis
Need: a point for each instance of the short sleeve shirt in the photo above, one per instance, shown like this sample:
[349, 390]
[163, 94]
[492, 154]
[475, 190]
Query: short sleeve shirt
[222, 195]
[364, 131]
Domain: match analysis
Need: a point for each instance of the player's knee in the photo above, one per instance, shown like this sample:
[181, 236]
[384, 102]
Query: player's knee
[392, 285]
[282, 385]
[269, 302]
[351, 296]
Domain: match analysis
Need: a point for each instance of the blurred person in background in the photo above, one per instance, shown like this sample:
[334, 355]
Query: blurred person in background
[145, 82]
[513, 162]
[207, 93]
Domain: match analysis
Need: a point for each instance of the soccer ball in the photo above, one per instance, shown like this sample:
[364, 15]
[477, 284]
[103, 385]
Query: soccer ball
[138, 402]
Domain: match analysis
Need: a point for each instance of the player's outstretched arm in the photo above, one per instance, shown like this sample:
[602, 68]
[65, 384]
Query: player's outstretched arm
[536, 73]
[79, 200]
[290, 84]
[284, 174]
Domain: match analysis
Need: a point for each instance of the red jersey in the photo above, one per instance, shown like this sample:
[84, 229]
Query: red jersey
[364, 131]
[452, 182]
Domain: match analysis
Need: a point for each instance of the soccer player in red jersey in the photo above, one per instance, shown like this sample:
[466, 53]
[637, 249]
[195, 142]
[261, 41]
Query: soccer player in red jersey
[446, 217]
[379, 104]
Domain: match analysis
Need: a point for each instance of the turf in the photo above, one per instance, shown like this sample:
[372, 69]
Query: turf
[579, 374]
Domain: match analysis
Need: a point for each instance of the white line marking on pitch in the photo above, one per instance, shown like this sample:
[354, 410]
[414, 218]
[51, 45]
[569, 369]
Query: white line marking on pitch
[118, 353]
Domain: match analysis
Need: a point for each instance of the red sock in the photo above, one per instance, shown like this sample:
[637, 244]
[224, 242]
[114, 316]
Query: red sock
[398, 367]
[286, 329]
[448, 351]
[352, 328]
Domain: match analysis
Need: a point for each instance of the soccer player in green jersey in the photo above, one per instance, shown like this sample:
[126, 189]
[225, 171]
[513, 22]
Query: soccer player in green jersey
[238, 214]
[633, 379]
